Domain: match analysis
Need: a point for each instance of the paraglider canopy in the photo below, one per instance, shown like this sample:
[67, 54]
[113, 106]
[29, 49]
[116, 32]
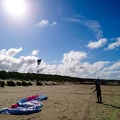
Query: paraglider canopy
[38, 61]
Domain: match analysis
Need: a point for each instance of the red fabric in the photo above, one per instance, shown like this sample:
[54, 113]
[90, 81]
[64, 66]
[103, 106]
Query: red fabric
[31, 97]
[14, 106]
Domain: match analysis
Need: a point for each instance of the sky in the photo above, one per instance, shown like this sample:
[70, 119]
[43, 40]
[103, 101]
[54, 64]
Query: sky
[77, 38]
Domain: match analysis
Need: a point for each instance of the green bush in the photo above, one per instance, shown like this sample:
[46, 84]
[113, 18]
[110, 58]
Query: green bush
[11, 83]
[30, 84]
[19, 83]
[2, 83]
[25, 83]
[38, 83]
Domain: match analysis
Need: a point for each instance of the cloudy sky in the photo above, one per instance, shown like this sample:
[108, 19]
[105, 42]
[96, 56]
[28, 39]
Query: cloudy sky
[79, 38]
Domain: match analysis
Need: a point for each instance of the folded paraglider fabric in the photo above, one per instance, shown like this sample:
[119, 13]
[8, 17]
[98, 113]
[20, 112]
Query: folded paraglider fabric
[27, 105]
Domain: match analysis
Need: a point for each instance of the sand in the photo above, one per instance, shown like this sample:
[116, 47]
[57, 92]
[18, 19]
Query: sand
[65, 102]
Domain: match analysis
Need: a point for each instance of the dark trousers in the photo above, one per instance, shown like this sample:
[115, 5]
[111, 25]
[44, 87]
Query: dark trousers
[99, 97]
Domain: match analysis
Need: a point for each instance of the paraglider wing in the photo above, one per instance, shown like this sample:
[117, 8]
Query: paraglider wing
[38, 61]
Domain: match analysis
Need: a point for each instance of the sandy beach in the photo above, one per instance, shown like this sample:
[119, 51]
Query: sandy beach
[65, 102]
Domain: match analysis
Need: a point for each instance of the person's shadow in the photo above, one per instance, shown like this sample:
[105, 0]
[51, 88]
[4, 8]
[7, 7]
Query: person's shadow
[118, 107]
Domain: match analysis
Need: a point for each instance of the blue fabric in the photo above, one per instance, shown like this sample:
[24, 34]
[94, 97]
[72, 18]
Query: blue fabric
[26, 107]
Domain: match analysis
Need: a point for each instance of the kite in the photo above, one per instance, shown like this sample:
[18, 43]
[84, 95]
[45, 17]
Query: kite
[25, 106]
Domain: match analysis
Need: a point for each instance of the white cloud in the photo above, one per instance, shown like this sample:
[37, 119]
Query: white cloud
[95, 27]
[2, 52]
[73, 56]
[114, 45]
[97, 44]
[115, 66]
[11, 52]
[95, 67]
[72, 64]
[92, 25]
[35, 52]
[43, 23]
[8, 61]
[112, 71]
[54, 23]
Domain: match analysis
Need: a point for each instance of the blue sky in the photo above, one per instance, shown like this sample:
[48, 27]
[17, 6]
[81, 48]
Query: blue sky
[79, 38]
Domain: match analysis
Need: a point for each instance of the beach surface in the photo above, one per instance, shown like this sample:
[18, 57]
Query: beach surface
[65, 102]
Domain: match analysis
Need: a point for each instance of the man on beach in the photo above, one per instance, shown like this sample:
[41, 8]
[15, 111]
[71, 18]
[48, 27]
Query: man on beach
[98, 89]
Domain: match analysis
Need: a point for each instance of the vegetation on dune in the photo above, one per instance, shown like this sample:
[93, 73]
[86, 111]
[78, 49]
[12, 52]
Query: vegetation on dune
[2, 83]
[26, 79]
[10, 83]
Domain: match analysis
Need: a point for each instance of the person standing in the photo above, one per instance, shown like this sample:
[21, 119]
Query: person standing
[98, 89]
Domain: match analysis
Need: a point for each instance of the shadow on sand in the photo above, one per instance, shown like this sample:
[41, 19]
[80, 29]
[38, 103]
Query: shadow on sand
[118, 107]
